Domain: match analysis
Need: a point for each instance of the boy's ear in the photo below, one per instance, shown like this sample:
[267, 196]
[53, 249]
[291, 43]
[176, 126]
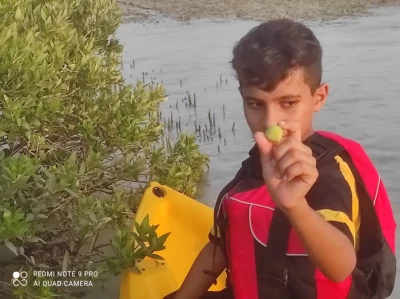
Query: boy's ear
[320, 96]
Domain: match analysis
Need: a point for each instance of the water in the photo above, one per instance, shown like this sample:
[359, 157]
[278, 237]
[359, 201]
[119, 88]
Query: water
[361, 65]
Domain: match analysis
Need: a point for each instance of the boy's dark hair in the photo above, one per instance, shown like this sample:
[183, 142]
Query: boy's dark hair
[270, 52]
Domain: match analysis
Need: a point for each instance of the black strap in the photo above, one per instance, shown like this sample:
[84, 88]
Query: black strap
[323, 148]
[370, 232]
[274, 259]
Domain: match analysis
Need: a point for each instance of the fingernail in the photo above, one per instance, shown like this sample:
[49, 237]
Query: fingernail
[285, 177]
[282, 122]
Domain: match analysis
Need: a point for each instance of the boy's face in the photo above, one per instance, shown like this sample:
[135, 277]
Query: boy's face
[291, 100]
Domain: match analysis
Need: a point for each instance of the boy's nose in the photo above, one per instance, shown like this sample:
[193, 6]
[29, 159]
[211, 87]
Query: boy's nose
[270, 118]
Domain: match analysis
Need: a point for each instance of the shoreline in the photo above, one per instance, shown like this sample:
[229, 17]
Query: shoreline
[145, 11]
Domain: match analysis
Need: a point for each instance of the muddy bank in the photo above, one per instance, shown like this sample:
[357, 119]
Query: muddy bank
[258, 10]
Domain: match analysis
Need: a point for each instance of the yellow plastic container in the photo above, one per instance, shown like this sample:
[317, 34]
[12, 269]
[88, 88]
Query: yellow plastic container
[189, 223]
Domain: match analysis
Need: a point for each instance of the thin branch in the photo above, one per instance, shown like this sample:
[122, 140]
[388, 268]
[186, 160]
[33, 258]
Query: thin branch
[101, 246]
[28, 259]
[66, 201]
[94, 239]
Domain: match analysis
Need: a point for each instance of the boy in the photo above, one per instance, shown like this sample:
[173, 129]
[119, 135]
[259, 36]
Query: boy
[288, 226]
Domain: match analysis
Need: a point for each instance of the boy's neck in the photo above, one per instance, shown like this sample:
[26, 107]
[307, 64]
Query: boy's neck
[308, 133]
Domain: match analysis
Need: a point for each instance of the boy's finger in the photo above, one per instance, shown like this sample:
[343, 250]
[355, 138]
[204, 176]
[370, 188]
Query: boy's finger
[292, 127]
[289, 145]
[264, 146]
[291, 158]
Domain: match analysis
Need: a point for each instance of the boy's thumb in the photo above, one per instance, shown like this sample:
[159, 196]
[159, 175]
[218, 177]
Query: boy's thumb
[264, 146]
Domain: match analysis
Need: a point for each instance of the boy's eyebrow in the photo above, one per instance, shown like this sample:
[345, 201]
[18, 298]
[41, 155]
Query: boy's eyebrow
[288, 96]
[284, 97]
[250, 98]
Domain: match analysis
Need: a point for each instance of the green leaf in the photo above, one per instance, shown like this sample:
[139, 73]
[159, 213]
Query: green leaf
[145, 228]
[105, 220]
[29, 217]
[118, 233]
[89, 234]
[7, 215]
[163, 238]
[138, 240]
[18, 14]
[138, 228]
[17, 216]
[146, 221]
[25, 124]
[66, 261]
[153, 243]
[82, 169]
[11, 247]
[35, 240]
[92, 216]
[44, 266]
[36, 122]
[70, 192]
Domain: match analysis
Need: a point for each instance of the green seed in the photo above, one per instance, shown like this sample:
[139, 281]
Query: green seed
[274, 133]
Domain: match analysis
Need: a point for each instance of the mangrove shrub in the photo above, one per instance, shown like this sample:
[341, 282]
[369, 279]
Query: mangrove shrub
[78, 145]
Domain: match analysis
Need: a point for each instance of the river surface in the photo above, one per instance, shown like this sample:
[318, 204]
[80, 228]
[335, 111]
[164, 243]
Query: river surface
[361, 65]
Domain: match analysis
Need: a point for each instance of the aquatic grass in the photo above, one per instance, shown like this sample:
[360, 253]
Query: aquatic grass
[172, 127]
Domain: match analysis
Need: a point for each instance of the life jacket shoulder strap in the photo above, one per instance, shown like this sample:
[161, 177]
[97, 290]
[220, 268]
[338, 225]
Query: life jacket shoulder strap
[323, 148]
[370, 231]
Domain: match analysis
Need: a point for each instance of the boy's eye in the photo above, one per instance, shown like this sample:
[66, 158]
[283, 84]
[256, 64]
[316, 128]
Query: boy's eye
[254, 104]
[289, 104]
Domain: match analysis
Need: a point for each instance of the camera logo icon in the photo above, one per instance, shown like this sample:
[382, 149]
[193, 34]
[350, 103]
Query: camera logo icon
[20, 278]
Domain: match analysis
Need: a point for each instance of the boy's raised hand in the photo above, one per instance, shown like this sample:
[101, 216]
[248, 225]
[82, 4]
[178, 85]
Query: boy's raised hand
[288, 167]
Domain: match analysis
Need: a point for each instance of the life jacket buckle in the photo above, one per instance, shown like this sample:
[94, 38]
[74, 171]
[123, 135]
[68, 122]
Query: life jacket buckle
[285, 276]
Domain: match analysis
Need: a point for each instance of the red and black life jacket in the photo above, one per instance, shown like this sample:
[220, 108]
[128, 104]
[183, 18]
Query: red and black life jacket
[260, 271]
